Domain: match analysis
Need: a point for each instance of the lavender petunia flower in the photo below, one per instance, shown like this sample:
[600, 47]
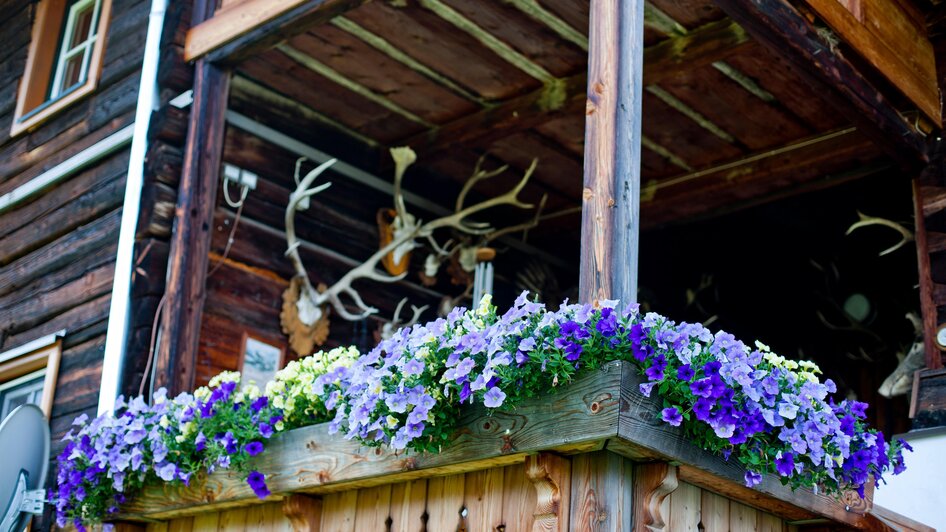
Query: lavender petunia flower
[494, 398]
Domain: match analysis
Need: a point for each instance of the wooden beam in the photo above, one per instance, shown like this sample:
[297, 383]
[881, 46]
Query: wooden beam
[890, 40]
[610, 218]
[787, 32]
[703, 46]
[255, 25]
[176, 357]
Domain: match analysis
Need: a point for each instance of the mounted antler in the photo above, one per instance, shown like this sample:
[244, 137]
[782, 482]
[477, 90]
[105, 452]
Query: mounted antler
[390, 327]
[410, 229]
[864, 221]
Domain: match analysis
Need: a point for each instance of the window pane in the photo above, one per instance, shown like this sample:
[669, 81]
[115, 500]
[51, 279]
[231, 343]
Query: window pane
[30, 391]
[82, 26]
[72, 72]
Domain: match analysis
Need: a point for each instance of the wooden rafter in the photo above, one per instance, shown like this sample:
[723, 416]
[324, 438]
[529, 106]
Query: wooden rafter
[788, 33]
[703, 46]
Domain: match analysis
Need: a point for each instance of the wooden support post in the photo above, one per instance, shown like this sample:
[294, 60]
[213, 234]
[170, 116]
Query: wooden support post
[652, 484]
[788, 33]
[193, 222]
[611, 197]
[304, 511]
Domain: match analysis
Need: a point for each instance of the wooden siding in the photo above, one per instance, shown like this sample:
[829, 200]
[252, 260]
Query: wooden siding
[489, 500]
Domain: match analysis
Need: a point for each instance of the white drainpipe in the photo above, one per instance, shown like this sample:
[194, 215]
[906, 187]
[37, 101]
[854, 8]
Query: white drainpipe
[121, 286]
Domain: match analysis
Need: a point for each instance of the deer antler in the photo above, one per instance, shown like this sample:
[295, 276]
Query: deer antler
[410, 230]
[864, 221]
[388, 328]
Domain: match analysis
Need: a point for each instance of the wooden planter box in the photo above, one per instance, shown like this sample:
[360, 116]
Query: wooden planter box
[579, 459]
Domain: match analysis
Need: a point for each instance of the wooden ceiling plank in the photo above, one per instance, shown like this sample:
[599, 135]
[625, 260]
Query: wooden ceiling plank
[556, 24]
[488, 40]
[263, 94]
[321, 68]
[778, 25]
[703, 46]
[385, 47]
[662, 22]
[690, 113]
[256, 25]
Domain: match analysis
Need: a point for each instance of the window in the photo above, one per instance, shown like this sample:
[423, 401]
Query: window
[64, 59]
[28, 374]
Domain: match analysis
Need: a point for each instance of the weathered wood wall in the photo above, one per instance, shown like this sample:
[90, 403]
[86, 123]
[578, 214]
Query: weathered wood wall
[57, 250]
[511, 499]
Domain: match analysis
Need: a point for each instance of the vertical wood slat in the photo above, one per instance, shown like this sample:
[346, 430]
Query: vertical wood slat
[193, 222]
[338, 511]
[714, 512]
[743, 518]
[373, 508]
[232, 520]
[601, 493]
[686, 508]
[518, 500]
[207, 522]
[181, 524]
[483, 499]
[408, 506]
[770, 523]
[610, 218]
[444, 502]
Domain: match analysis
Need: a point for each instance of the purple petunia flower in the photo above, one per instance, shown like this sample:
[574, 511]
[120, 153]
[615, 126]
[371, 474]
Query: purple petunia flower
[259, 404]
[200, 442]
[753, 478]
[647, 388]
[257, 482]
[494, 397]
[685, 373]
[265, 430]
[253, 448]
[702, 388]
[672, 416]
[785, 464]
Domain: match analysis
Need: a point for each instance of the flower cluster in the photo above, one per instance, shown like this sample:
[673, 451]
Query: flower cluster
[772, 415]
[292, 390]
[108, 459]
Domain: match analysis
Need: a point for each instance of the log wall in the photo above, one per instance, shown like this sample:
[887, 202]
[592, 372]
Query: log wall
[57, 250]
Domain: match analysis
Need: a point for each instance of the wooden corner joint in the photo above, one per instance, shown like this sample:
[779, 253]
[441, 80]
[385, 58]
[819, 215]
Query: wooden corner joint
[303, 511]
[549, 475]
[655, 482]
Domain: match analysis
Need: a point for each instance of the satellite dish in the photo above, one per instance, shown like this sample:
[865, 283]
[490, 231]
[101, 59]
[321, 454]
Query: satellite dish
[24, 448]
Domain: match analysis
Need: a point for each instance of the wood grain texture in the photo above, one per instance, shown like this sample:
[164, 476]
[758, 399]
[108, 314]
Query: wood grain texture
[652, 484]
[304, 512]
[338, 511]
[445, 503]
[518, 500]
[373, 508]
[686, 508]
[409, 505]
[891, 42]
[601, 493]
[550, 475]
[176, 355]
[611, 196]
[785, 31]
[483, 499]
[743, 518]
[714, 512]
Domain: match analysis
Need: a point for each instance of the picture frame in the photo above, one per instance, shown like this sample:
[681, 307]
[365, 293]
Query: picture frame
[260, 359]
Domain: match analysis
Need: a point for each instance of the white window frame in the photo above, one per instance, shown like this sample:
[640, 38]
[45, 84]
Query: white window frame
[85, 47]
